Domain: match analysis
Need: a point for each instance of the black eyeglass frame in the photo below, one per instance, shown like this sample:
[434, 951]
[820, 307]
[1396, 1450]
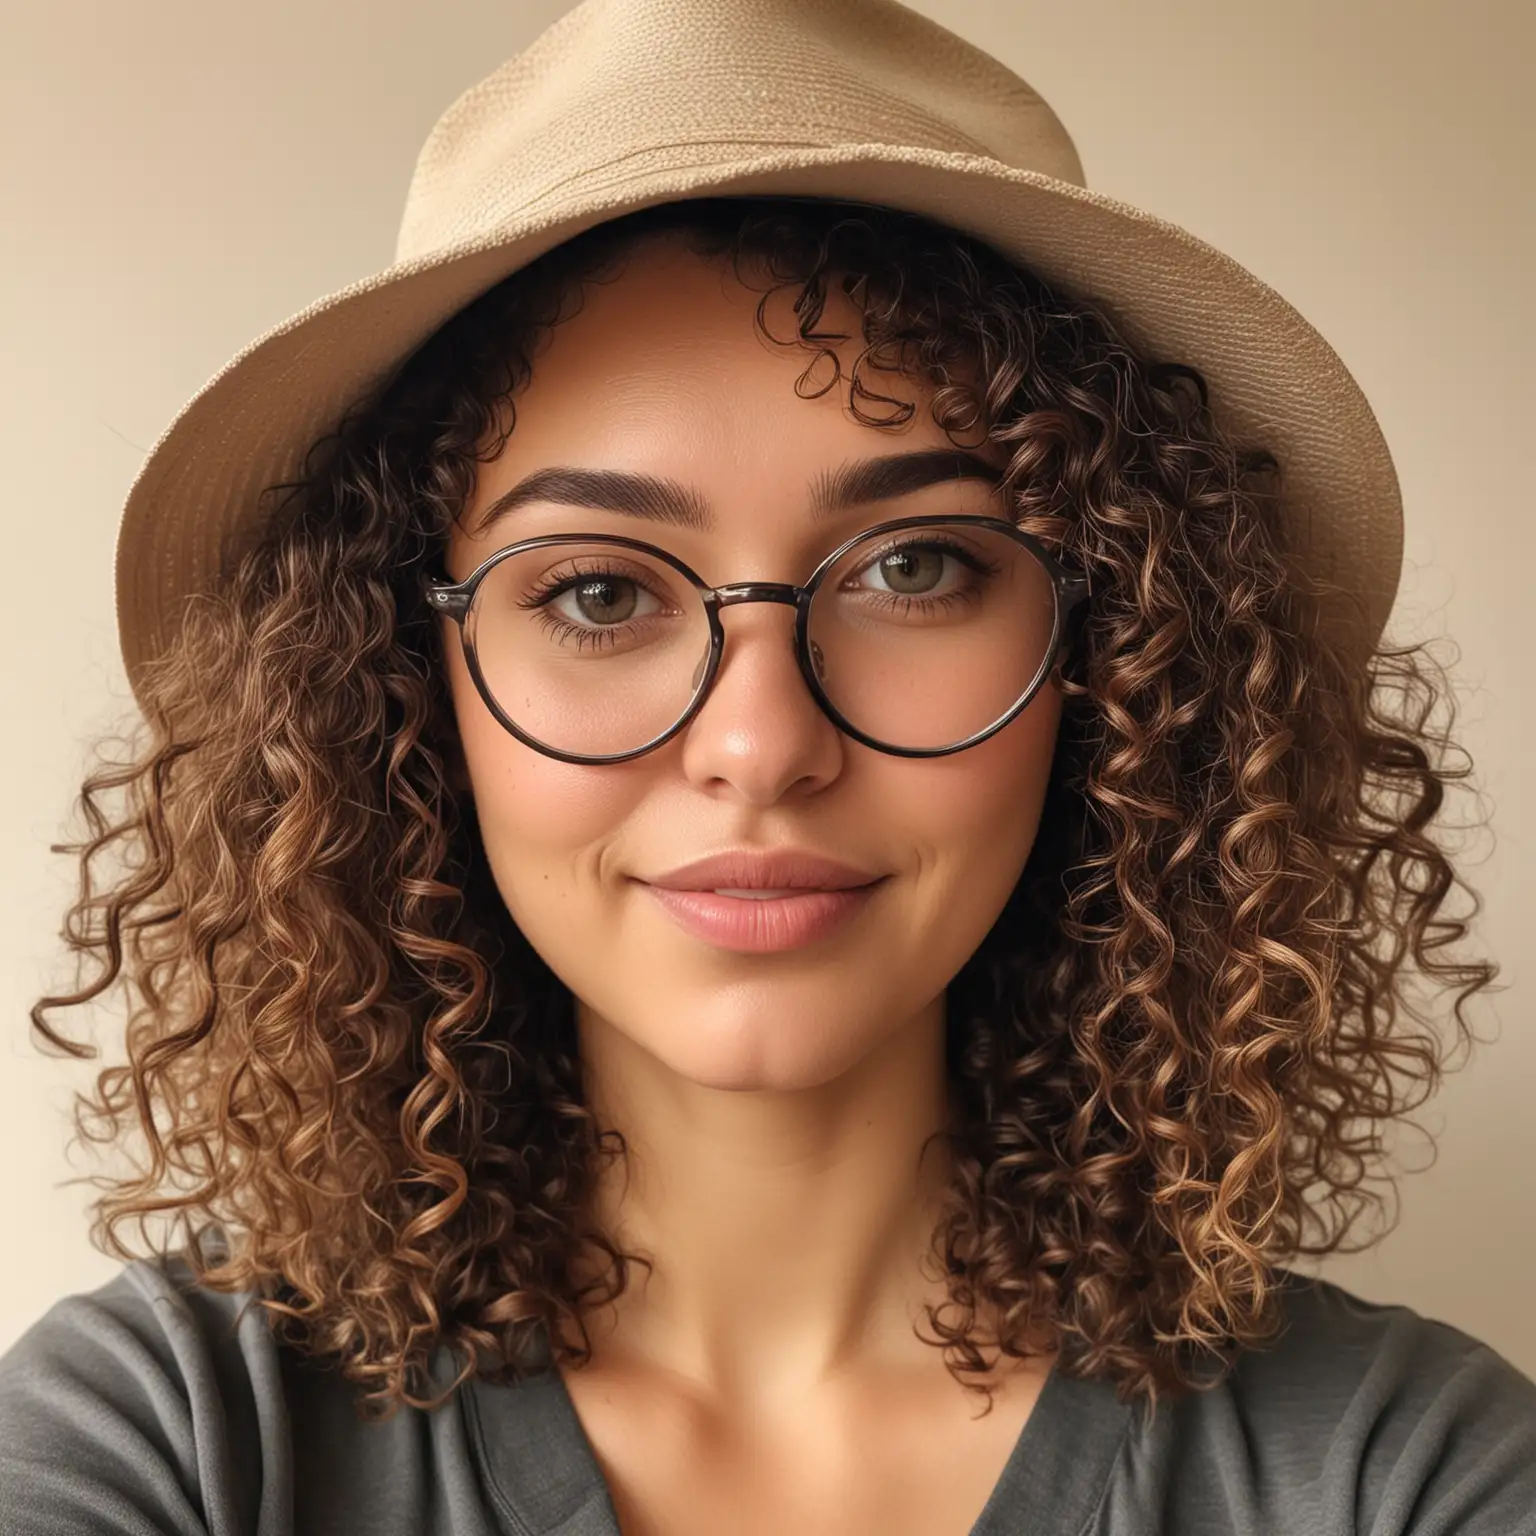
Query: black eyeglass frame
[454, 600]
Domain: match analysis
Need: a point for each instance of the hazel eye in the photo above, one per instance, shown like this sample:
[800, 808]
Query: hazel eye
[912, 571]
[603, 600]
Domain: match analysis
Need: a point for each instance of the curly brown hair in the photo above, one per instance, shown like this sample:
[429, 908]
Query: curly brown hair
[1171, 1058]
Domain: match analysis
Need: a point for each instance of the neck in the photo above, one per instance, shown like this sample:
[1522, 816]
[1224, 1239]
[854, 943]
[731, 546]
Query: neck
[789, 1229]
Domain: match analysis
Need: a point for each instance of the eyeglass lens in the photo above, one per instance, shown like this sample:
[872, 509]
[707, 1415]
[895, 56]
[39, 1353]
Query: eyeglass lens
[920, 638]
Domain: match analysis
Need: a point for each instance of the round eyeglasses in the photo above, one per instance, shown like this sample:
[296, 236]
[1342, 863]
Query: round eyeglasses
[918, 637]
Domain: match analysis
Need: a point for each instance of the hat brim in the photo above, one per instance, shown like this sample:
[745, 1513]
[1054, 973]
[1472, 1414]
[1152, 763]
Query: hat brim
[1274, 381]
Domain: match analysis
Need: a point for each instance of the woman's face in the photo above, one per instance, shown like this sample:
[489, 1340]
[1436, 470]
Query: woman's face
[662, 373]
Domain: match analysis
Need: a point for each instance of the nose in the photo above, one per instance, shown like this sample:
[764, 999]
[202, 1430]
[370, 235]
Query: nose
[760, 731]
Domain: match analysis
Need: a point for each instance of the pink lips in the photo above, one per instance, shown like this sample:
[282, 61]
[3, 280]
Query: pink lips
[823, 895]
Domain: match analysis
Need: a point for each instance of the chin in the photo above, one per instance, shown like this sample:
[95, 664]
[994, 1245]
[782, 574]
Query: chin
[756, 1038]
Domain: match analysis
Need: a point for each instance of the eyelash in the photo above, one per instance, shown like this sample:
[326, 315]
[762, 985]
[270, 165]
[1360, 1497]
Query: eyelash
[554, 586]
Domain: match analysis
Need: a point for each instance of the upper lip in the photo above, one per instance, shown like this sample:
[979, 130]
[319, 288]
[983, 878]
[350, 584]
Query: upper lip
[783, 869]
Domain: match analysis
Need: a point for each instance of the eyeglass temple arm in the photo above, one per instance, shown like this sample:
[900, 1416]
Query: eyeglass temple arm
[446, 598]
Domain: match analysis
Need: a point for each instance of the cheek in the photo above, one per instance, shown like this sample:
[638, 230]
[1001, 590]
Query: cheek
[542, 821]
[1002, 782]
[977, 815]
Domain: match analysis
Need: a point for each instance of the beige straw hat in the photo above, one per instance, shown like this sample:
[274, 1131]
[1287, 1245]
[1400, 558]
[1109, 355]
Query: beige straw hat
[623, 103]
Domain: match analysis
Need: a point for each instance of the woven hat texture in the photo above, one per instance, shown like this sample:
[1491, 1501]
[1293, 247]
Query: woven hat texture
[625, 103]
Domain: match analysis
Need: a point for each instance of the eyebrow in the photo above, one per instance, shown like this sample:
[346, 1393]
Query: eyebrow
[668, 501]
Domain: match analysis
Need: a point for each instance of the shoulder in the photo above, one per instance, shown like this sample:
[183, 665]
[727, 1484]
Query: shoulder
[1362, 1416]
[129, 1402]
[1352, 1360]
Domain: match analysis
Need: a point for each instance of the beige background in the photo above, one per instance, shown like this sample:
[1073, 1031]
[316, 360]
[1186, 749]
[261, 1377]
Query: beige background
[179, 175]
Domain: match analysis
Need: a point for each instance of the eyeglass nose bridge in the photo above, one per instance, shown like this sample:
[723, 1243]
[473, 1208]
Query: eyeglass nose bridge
[758, 592]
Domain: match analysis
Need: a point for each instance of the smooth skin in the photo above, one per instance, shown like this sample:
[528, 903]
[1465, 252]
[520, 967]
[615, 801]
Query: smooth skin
[767, 1376]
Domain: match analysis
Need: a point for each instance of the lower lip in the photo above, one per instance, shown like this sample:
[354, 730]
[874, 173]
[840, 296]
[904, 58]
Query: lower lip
[763, 927]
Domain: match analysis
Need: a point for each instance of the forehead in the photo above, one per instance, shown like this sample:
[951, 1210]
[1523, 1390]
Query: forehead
[668, 358]
[663, 376]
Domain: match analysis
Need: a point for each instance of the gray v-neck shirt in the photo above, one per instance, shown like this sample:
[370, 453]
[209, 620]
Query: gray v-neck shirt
[151, 1407]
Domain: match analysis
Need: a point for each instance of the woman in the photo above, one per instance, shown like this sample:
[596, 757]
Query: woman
[762, 737]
